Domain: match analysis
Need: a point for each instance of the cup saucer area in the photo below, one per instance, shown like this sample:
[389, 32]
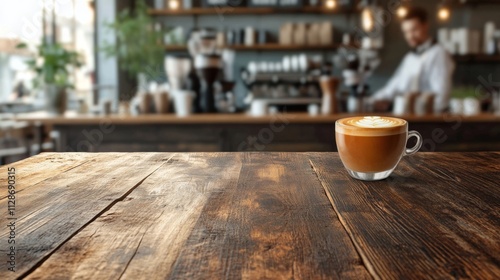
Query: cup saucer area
[370, 176]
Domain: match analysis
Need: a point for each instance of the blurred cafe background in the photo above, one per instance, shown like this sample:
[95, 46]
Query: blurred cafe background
[243, 75]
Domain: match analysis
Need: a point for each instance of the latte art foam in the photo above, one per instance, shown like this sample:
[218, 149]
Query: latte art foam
[371, 126]
[374, 122]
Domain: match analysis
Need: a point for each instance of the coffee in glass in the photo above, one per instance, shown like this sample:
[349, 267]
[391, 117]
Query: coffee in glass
[371, 147]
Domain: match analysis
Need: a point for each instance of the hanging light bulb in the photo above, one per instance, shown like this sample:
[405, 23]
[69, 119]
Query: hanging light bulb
[331, 4]
[444, 11]
[367, 19]
[173, 4]
[402, 11]
[403, 8]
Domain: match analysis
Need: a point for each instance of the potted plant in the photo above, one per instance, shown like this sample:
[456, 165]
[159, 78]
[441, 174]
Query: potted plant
[52, 66]
[138, 44]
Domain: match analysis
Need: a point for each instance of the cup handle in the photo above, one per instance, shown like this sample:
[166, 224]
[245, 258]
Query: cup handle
[414, 149]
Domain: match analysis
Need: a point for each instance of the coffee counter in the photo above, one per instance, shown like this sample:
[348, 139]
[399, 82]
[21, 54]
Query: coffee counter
[240, 132]
[72, 118]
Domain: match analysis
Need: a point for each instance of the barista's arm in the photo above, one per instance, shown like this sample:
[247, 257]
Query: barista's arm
[382, 99]
[441, 73]
[391, 88]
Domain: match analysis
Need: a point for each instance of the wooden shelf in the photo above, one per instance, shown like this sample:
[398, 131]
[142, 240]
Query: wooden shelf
[278, 47]
[477, 58]
[266, 47]
[481, 2]
[228, 11]
[175, 48]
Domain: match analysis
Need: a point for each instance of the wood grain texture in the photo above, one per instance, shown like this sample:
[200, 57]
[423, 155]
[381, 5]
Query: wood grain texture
[255, 216]
[437, 216]
[42, 167]
[218, 216]
[276, 223]
[52, 211]
[141, 236]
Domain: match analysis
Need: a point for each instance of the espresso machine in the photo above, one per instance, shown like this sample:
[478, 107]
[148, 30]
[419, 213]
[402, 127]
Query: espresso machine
[357, 66]
[287, 85]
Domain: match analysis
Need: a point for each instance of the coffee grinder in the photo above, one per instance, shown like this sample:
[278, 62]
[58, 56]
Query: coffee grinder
[208, 67]
[177, 69]
[208, 64]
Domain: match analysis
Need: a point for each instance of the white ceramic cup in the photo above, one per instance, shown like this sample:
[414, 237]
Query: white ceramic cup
[456, 106]
[258, 108]
[471, 107]
[183, 102]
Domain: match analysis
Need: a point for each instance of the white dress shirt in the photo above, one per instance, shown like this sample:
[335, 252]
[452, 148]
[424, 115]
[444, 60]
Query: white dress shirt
[428, 69]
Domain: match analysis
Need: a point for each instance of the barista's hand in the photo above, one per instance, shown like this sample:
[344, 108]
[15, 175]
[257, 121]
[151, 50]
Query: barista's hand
[381, 106]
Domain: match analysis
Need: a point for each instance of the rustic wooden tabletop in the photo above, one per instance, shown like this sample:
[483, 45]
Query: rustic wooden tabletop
[248, 216]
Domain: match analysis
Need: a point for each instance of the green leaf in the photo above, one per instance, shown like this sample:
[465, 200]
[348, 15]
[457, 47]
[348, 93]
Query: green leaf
[137, 46]
[21, 46]
[53, 65]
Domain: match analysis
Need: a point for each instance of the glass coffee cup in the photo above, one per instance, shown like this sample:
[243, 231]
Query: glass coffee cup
[371, 147]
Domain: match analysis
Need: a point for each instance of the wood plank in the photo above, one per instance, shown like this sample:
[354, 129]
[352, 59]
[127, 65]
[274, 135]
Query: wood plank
[140, 236]
[437, 216]
[275, 224]
[52, 211]
[38, 168]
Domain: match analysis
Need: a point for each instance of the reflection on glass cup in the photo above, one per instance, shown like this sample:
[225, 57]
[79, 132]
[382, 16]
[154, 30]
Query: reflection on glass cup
[371, 147]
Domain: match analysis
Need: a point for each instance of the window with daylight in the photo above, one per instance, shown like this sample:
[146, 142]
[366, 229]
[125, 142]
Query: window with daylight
[68, 23]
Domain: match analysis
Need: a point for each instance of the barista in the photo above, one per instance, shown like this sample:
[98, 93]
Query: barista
[427, 68]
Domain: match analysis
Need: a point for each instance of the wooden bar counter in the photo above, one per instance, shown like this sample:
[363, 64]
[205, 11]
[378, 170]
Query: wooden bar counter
[240, 132]
[249, 216]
